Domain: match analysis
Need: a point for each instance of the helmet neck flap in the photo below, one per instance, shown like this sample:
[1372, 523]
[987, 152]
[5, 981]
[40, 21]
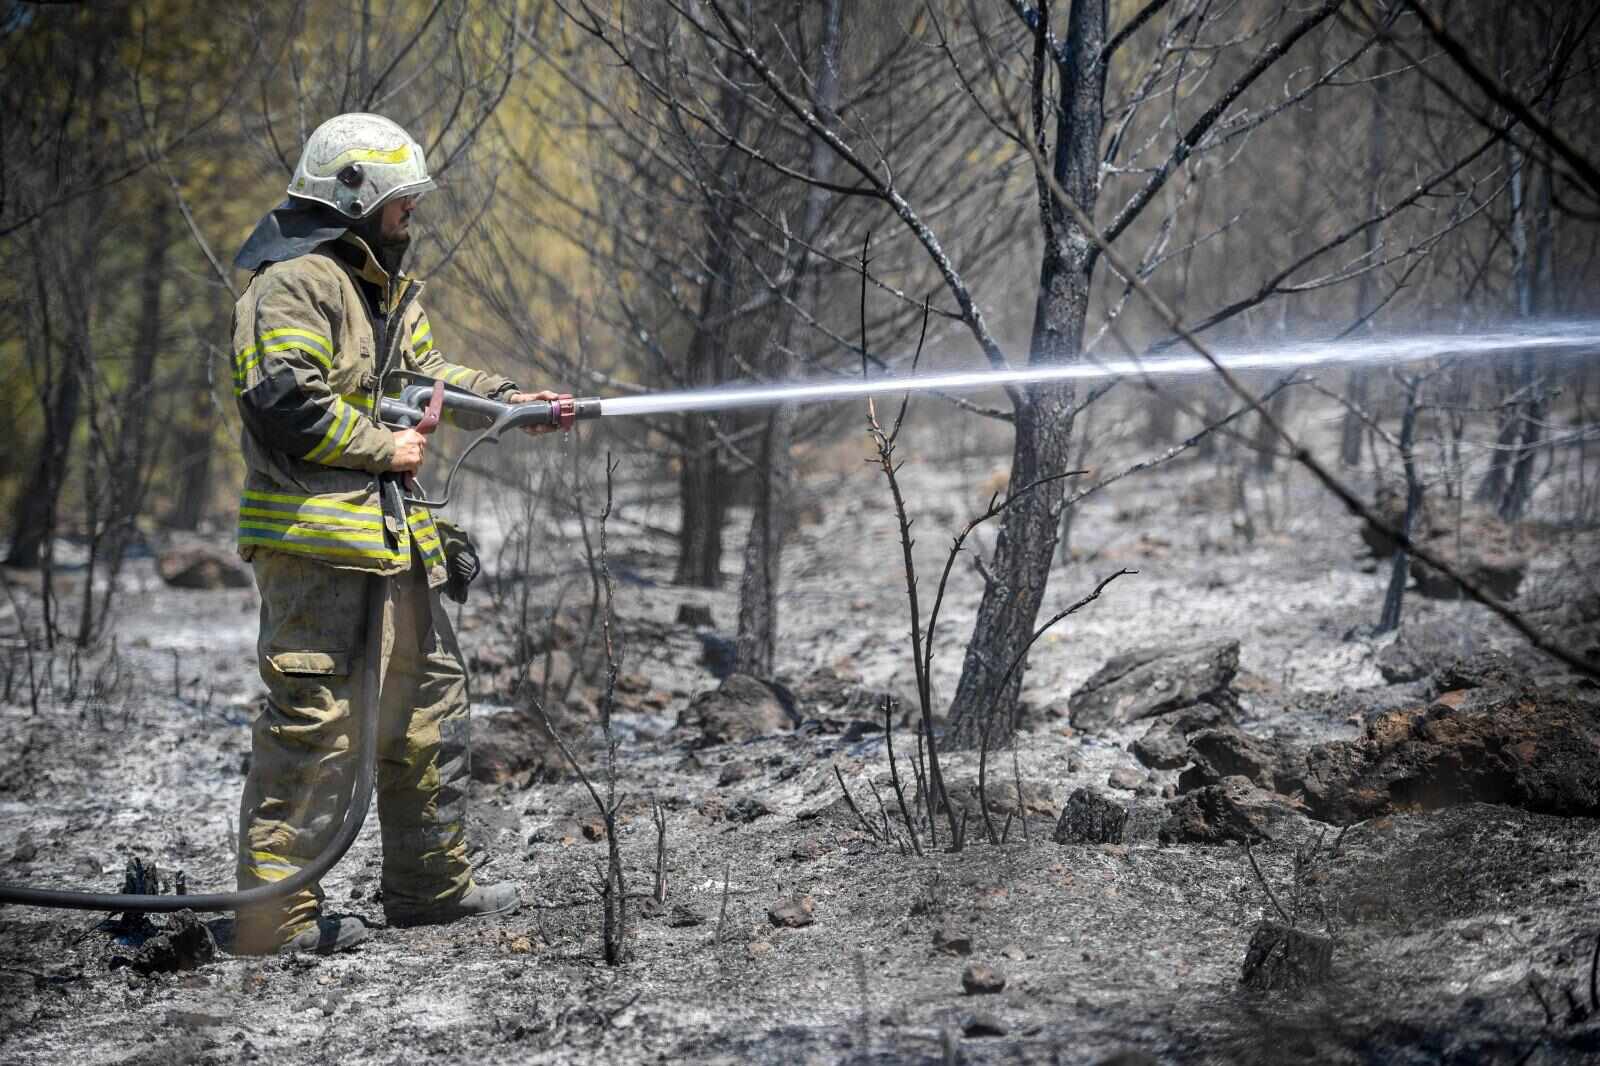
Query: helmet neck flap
[290, 230]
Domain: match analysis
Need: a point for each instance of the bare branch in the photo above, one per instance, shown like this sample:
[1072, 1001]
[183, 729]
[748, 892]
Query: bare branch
[1192, 137]
[1497, 92]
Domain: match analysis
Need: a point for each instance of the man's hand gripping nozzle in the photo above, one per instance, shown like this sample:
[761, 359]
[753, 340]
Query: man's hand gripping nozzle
[421, 404]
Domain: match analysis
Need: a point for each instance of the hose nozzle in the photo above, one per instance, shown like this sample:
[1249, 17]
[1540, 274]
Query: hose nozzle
[565, 410]
[421, 403]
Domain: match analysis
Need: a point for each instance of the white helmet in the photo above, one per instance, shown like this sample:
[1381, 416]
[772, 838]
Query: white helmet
[355, 162]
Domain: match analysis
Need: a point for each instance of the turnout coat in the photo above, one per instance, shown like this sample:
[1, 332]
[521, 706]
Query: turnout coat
[314, 338]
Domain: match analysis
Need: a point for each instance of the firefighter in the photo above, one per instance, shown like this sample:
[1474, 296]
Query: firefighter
[327, 315]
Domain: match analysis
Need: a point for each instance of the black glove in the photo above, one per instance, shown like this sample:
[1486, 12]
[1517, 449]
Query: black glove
[460, 558]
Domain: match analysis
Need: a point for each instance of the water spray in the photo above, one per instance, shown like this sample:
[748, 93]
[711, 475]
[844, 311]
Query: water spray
[1365, 351]
[420, 396]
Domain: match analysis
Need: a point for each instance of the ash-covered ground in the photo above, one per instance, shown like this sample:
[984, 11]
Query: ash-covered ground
[1450, 794]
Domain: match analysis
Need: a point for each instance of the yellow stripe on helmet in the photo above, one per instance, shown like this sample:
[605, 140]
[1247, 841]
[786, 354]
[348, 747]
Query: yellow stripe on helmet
[370, 155]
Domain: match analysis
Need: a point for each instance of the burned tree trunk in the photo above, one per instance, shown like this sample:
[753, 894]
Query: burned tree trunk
[194, 445]
[135, 424]
[702, 503]
[1534, 279]
[763, 552]
[35, 506]
[702, 488]
[1519, 490]
[1513, 378]
[1161, 426]
[36, 502]
[63, 260]
[1509, 482]
[703, 476]
[1026, 543]
[1367, 287]
[1394, 596]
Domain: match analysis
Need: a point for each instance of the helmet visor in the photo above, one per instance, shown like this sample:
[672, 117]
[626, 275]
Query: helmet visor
[415, 191]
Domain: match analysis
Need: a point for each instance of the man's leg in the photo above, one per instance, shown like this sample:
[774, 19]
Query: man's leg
[422, 759]
[310, 649]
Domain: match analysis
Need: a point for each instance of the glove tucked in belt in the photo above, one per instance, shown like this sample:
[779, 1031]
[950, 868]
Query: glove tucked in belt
[460, 557]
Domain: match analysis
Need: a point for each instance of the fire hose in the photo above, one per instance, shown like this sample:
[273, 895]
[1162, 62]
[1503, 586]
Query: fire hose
[419, 406]
[355, 814]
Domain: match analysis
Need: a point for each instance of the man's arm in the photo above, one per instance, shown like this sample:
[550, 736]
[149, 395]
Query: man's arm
[427, 360]
[280, 379]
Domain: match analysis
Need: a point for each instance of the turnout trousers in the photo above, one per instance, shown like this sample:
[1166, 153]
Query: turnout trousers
[311, 649]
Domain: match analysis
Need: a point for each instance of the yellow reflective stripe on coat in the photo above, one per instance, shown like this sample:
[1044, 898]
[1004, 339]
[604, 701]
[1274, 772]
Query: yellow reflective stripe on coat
[243, 363]
[298, 344]
[422, 339]
[317, 543]
[315, 549]
[343, 522]
[427, 537]
[296, 531]
[310, 504]
[363, 400]
[421, 523]
[316, 526]
[340, 429]
[288, 338]
[322, 343]
[455, 375]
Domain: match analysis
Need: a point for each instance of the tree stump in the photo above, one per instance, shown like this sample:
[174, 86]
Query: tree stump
[1090, 818]
[1283, 958]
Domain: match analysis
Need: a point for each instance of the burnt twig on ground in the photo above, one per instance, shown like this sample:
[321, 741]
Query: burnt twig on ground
[1266, 887]
[1594, 977]
[1306, 859]
[616, 895]
[924, 798]
[658, 815]
[1544, 1004]
[983, 780]
[613, 889]
[850, 801]
[883, 812]
[1016, 778]
[884, 441]
[722, 911]
[883, 815]
[864, 1025]
[894, 774]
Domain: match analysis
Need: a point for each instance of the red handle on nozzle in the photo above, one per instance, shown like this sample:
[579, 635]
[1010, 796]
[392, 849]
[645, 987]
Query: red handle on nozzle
[430, 415]
[428, 423]
[563, 411]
